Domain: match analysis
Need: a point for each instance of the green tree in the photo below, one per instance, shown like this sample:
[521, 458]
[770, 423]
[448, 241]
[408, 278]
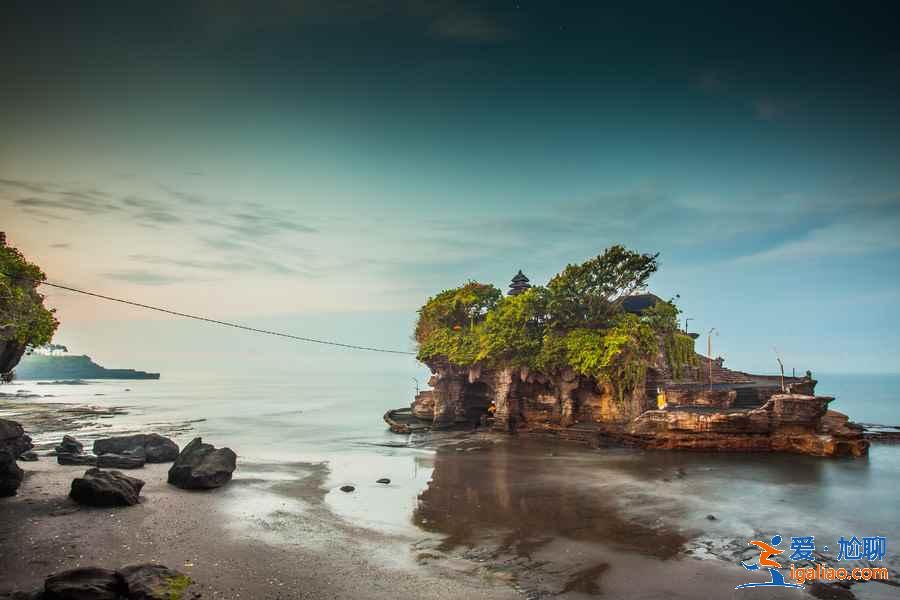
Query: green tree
[513, 330]
[456, 308]
[23, 316]
[590, 294]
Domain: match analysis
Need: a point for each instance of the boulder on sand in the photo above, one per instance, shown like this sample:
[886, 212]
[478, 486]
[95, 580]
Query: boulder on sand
[29, 456]
[80, 460]
[135, 582]
[202, 466]
[153, 582]
[155, 447]
[69, 445]
[13, 443]
[88, 583]
[120, 461]
[106, 488]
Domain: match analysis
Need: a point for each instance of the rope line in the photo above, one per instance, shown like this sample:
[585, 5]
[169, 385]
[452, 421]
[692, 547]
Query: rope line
[210, 320]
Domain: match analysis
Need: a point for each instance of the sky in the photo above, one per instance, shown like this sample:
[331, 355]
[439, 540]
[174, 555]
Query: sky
[324, 166]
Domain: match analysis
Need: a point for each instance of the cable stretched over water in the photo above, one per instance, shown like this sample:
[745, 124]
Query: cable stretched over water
[213, 321]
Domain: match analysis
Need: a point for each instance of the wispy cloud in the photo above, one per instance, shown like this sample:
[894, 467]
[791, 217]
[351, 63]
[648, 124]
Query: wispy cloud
[142, 277]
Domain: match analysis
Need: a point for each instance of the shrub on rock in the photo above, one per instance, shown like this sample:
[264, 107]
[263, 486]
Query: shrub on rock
[202, 466]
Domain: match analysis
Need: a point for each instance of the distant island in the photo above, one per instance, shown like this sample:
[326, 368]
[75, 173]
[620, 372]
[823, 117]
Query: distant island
[70, 367]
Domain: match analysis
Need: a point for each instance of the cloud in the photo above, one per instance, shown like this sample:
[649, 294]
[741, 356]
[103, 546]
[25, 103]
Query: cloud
[61, 245]
[853, 238]
[73, 204]
[216, 266]
[142, 277]
[25, 185]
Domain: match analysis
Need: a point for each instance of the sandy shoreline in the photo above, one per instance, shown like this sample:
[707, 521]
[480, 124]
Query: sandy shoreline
[46, 533]
[480, 530]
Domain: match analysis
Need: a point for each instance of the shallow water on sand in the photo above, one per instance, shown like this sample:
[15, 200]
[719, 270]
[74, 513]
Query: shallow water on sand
[454, 493]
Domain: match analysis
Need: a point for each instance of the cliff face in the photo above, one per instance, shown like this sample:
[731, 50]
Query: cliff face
[523, 400]
[735, 411]
[13, 442]
[11, 353]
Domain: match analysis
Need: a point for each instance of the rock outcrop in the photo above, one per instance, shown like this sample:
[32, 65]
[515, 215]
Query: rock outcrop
[786, 423]
[11, 353]
[736, 411]
[154, 447]
[202, 466]
[106, 488]
[13, 443]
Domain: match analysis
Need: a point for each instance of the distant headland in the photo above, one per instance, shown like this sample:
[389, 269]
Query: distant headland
[72, 367]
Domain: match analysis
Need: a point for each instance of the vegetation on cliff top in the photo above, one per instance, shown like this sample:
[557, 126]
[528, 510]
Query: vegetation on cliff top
[575, 322]
[23, 316]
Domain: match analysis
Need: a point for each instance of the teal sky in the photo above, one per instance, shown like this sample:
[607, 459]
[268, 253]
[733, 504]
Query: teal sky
[324, 167]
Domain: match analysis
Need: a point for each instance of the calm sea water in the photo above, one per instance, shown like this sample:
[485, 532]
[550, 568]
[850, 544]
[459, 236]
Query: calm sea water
[657, 496]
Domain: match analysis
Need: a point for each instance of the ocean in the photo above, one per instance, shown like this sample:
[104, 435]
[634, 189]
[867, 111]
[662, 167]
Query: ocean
[455, 489]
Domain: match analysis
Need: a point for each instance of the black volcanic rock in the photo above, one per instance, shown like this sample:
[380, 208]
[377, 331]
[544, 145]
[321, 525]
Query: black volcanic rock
[155, 447]
[147, 581]
[29, 456]
[120, 461]
[152, 582]
[69, 445]
[202, 466]
[86, 583]
[79, 460]
[106, 488]
[13, 443]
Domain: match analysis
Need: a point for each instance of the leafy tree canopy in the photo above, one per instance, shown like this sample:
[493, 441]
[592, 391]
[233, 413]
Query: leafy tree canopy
[589, 294]
[576, 322]
[23, 316]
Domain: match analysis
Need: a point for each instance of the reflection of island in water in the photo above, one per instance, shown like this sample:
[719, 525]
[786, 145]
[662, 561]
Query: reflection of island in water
[526, 494]
[559, 519]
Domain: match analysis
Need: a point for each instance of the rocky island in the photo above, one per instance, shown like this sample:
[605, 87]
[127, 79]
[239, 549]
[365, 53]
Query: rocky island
[71, 367]
[589, 359]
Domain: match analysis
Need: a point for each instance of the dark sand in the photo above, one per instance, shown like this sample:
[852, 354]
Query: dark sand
[43, 532]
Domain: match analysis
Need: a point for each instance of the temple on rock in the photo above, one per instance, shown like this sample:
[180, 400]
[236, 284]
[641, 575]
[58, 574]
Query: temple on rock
[689, 401]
